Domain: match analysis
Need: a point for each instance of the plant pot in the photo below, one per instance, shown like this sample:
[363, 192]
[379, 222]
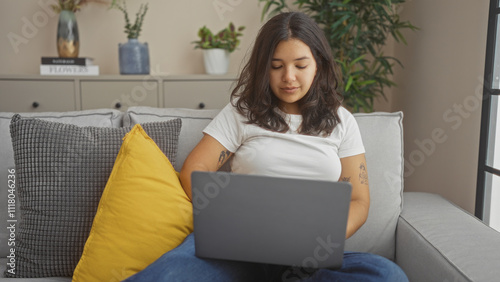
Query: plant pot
[216, 61]
[133, 57]
[68, 42]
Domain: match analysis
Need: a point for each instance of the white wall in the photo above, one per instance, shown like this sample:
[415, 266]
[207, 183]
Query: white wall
[443, 71]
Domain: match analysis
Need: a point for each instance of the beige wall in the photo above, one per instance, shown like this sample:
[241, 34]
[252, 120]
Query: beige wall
[169, 28]
[443, 61]
[444, 66]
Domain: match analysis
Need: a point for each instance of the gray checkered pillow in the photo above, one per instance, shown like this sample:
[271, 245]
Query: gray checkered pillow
[61, 171]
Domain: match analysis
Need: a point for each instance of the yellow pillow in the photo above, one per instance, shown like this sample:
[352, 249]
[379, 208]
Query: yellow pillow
[142, 214]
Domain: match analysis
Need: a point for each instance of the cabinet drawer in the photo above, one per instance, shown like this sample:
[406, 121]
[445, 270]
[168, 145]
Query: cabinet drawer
[119, 94]
[37, 96]
[197, 94]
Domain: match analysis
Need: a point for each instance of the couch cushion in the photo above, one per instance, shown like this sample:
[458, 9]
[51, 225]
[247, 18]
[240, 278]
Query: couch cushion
[3, 267]
[193, 123]
[124, 241]
[101, 118]
[382, 135]
[61, 171]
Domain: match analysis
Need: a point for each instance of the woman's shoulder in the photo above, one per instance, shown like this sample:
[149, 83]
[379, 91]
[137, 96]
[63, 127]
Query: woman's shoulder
[344, 114]
[347, 121]
[231, 112]
[231, 109]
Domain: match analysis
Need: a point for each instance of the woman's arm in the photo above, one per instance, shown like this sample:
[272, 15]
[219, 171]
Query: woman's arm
[354, 171]
[208, 155]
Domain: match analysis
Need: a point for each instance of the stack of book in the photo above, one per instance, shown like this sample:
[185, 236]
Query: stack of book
[68, 66]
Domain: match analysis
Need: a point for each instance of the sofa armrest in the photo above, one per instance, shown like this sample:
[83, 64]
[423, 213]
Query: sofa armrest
[437, 241]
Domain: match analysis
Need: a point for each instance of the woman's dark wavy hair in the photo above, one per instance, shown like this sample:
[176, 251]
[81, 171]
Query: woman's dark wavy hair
[253, 96]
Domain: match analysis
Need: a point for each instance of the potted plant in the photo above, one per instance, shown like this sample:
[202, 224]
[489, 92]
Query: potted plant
[133, 55]
[68, 41]
[217, 47]
[357, 32]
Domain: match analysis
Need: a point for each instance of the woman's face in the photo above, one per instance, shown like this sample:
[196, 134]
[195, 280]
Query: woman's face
[292, 72]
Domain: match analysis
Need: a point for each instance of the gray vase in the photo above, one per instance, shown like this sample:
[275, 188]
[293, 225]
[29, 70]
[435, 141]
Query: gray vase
[134, 57]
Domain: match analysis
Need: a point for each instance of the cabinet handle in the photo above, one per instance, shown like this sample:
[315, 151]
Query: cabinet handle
[118, 105]
[35, 105]
[201, 105]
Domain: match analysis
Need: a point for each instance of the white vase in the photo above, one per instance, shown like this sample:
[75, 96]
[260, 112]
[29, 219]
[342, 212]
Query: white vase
[216, 61]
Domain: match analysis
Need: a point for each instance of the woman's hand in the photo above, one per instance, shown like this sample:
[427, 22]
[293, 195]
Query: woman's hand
[354, 171]
[208, 155]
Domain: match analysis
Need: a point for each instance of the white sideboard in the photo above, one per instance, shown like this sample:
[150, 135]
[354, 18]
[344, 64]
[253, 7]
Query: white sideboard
[36, 93]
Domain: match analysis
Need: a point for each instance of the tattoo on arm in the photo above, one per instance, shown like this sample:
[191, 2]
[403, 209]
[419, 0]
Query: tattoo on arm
[363, 174]
[222, 157]
[345, 179]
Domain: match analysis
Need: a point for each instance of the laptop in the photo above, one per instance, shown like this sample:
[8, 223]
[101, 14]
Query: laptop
[284, 221]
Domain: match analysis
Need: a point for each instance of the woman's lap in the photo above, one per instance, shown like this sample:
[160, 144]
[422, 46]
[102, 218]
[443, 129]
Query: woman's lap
[181, 264]
[355, 267]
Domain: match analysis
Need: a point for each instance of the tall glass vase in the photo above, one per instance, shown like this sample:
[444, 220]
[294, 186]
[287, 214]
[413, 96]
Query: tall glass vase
[68, 42]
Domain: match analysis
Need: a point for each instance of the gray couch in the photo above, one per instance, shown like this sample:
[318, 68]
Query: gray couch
[429, 237]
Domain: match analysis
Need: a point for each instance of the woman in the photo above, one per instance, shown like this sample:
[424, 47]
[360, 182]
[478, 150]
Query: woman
[285, 120]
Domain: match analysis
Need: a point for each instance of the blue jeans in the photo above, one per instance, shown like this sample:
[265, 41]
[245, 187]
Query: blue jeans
[181, 264]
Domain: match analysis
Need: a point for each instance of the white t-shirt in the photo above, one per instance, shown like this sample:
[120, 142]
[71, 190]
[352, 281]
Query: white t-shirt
[264, 152]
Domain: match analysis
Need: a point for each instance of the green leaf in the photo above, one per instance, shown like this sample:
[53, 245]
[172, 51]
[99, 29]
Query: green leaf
[265, 10]
[357, 59]
[349, 83]
[367, 82]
